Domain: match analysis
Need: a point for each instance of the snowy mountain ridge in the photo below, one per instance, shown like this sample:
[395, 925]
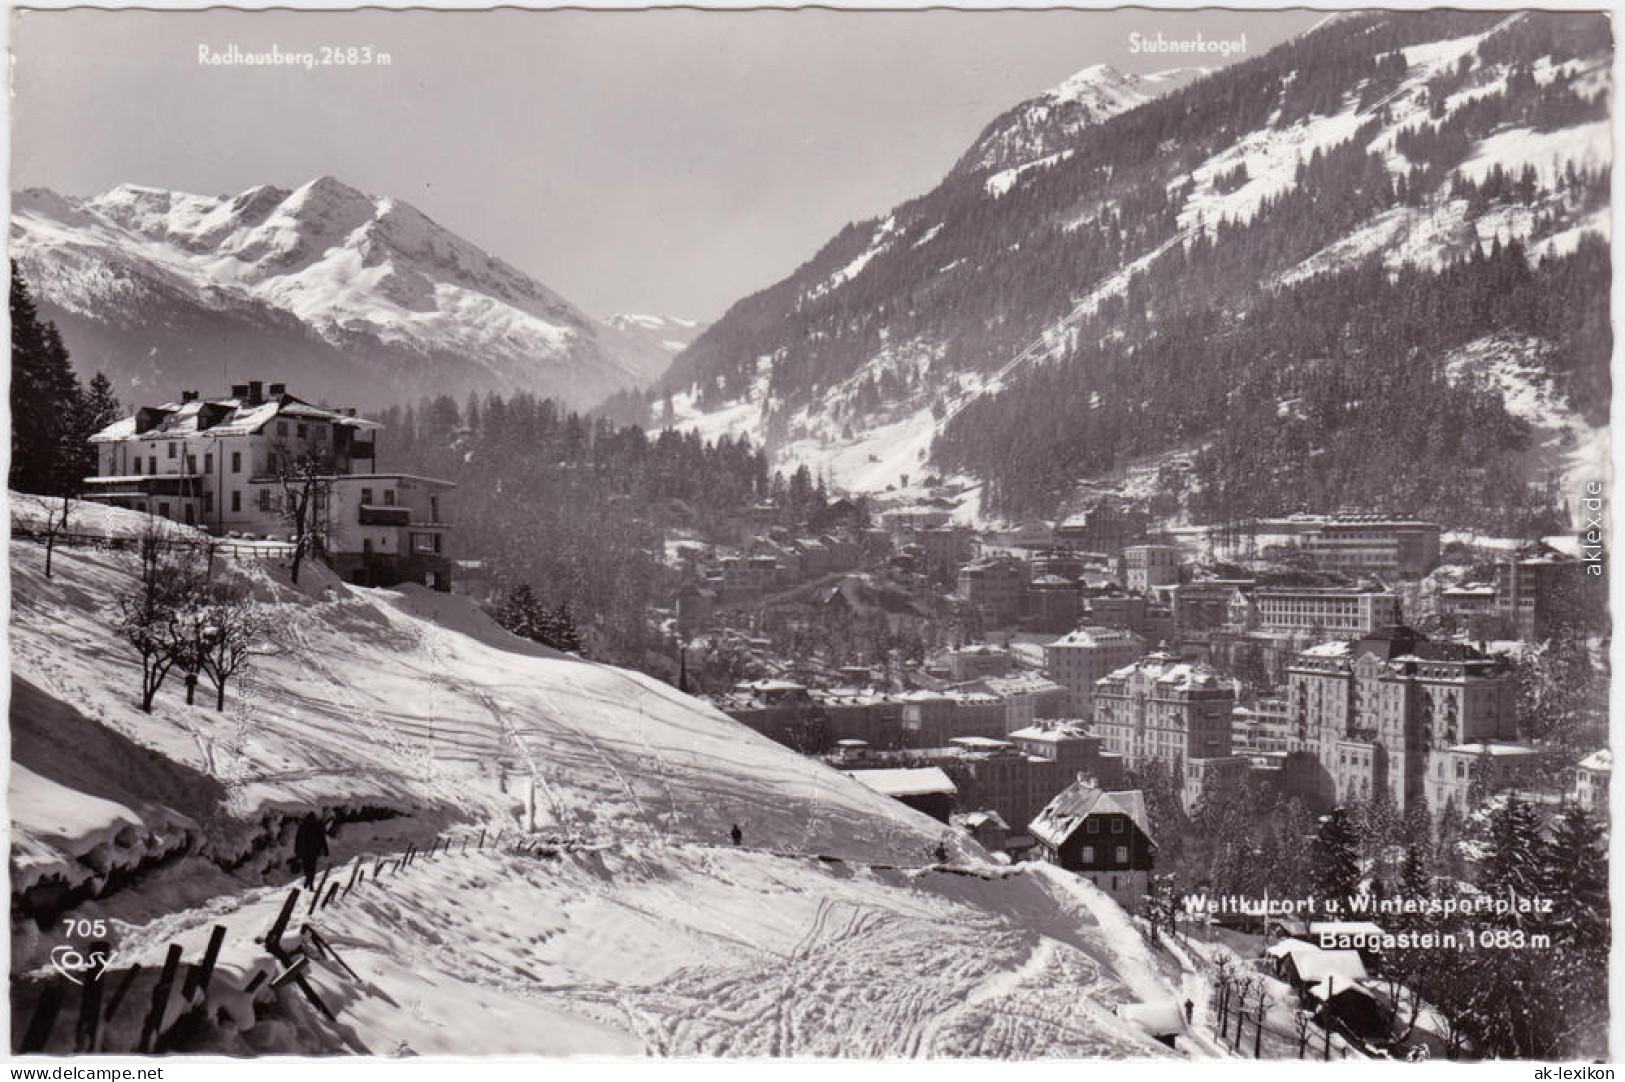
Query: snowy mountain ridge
[370, 278]
[753, 376]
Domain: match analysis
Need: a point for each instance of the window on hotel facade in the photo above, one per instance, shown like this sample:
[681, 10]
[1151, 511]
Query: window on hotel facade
[366, 496]
[208, 503]
[137, 465]
[191, 463]
[208, 463]
[173, 450]
[389, 497]
[152, 463]
[1088, 854]
[265, 499]
[236, 462]
[1093, 826]
[236, 501]
[1122, 854]
[1117, 826]
[300, 431]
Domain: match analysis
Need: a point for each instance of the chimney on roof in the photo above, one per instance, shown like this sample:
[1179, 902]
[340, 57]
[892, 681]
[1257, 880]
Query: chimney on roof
[239, 390]
[256, 392]
[188, 396]
[278, 390]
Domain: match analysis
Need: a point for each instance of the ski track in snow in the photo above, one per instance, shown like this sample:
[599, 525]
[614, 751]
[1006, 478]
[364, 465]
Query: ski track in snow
[639, 930]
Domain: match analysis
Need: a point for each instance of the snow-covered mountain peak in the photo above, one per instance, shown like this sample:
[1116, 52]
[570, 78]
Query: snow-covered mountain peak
[364, 274]
[1046, 125]
[672, 334]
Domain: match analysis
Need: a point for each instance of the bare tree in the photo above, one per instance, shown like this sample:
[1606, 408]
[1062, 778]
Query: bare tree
[1244, 989]
[1224, 978]
[1302, 1024]
[152, 612]
[307, 486]
[232, 624]
[57, 511]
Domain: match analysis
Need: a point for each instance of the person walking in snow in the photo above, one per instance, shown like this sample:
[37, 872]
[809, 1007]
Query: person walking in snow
[310, 846]
[736, 834]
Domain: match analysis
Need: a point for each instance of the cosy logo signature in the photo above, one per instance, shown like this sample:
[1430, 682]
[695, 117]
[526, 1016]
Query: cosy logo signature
[79, 966]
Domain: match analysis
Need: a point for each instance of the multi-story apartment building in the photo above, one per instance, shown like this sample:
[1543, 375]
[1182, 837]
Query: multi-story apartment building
[1075, 752]
[1539, 596]
[941, 547]
[1326, 612]
[1166, 710]
[1471, 609]
[1378, 711]
[1205, 605]
[1078, 659]
[228, 465]
[1053, 603]
[1371, 545]
[1264, 725]
[1027, 696]
[978, 660]
[1148, 566]
[1591, 780]
[1106, 527]
[996, 588]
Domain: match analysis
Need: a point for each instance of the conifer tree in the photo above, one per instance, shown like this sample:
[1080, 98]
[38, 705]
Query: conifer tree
[46, 402]
[1335, 858]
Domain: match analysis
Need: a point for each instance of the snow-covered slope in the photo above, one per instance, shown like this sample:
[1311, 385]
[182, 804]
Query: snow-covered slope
[641, 930]
[145, 280]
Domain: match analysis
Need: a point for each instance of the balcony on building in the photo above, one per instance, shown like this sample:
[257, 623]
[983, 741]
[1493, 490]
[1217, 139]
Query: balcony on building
[377, 514]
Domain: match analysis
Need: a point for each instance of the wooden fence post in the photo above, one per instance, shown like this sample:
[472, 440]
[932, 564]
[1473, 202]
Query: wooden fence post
[89, 1030]
[273, 938]
[160, 999]
[118, 993]
[44, 1020]
[197, 980]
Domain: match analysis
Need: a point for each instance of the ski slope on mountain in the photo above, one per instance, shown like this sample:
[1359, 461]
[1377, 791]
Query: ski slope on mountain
[410, 716]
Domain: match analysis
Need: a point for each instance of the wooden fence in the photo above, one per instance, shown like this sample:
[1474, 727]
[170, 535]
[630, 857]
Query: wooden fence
[178, 1003]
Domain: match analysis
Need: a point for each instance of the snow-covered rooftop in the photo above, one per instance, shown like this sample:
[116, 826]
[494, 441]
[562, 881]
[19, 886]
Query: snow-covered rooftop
[1075, 804]
[914, 781]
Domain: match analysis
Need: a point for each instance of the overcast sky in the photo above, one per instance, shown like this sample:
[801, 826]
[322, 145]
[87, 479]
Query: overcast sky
[645, 161]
